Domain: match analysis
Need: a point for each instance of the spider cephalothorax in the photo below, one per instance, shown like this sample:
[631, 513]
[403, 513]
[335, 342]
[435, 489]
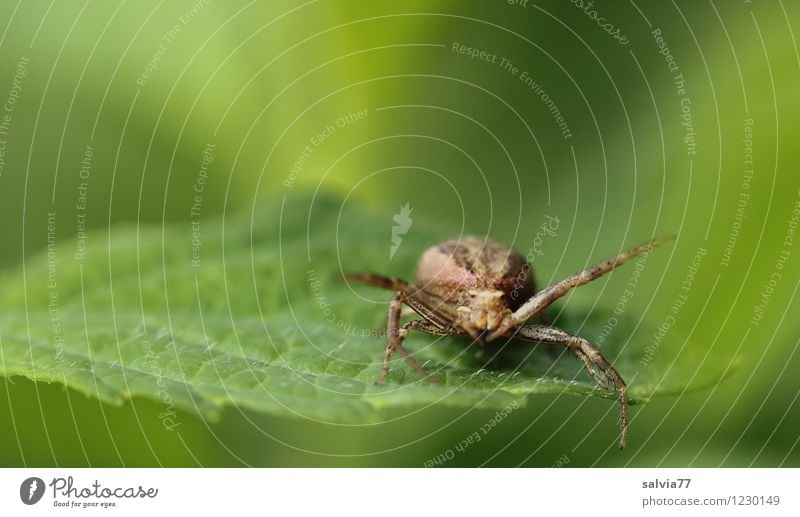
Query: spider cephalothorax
[473, 286]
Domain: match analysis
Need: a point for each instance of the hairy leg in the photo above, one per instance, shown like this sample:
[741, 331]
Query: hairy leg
[541, 300]
[397, 334]
[428, 328]
[384, 282]
[404, 312]
[428, 305]
[591, 358]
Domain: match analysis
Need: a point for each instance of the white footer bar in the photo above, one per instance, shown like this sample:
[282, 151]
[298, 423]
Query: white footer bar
[401, 492]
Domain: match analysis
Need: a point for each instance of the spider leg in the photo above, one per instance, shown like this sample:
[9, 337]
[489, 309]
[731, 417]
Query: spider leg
[541, 300]
[428, 305]
[603, 383]
[428, 328]
[405, 311]
[397, 334]
[588, 354]
[384, 282]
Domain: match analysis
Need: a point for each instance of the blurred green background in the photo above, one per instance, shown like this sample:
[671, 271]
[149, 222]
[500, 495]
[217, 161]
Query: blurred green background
[640, 151]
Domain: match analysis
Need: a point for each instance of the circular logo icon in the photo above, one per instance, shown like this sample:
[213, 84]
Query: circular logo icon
[31, 490]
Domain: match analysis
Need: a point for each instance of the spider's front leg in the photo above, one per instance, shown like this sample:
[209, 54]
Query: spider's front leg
[541, 300]
[589, 355]
[397, 334]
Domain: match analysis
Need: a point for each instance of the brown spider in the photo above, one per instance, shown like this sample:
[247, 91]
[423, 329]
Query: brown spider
[476, 287]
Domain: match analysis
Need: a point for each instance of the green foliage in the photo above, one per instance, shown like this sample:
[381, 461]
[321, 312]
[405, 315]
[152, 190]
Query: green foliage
[259, 318]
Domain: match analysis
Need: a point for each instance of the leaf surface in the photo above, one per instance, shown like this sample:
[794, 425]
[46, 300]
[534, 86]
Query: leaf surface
[251, 312]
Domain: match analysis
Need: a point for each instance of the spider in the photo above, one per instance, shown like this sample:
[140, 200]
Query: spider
[475, 287]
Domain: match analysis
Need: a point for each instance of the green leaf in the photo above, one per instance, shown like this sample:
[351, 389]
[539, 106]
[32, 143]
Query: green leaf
[252, 312]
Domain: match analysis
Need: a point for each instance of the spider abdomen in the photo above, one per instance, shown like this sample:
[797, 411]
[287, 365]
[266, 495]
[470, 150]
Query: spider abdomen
[455, 267]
